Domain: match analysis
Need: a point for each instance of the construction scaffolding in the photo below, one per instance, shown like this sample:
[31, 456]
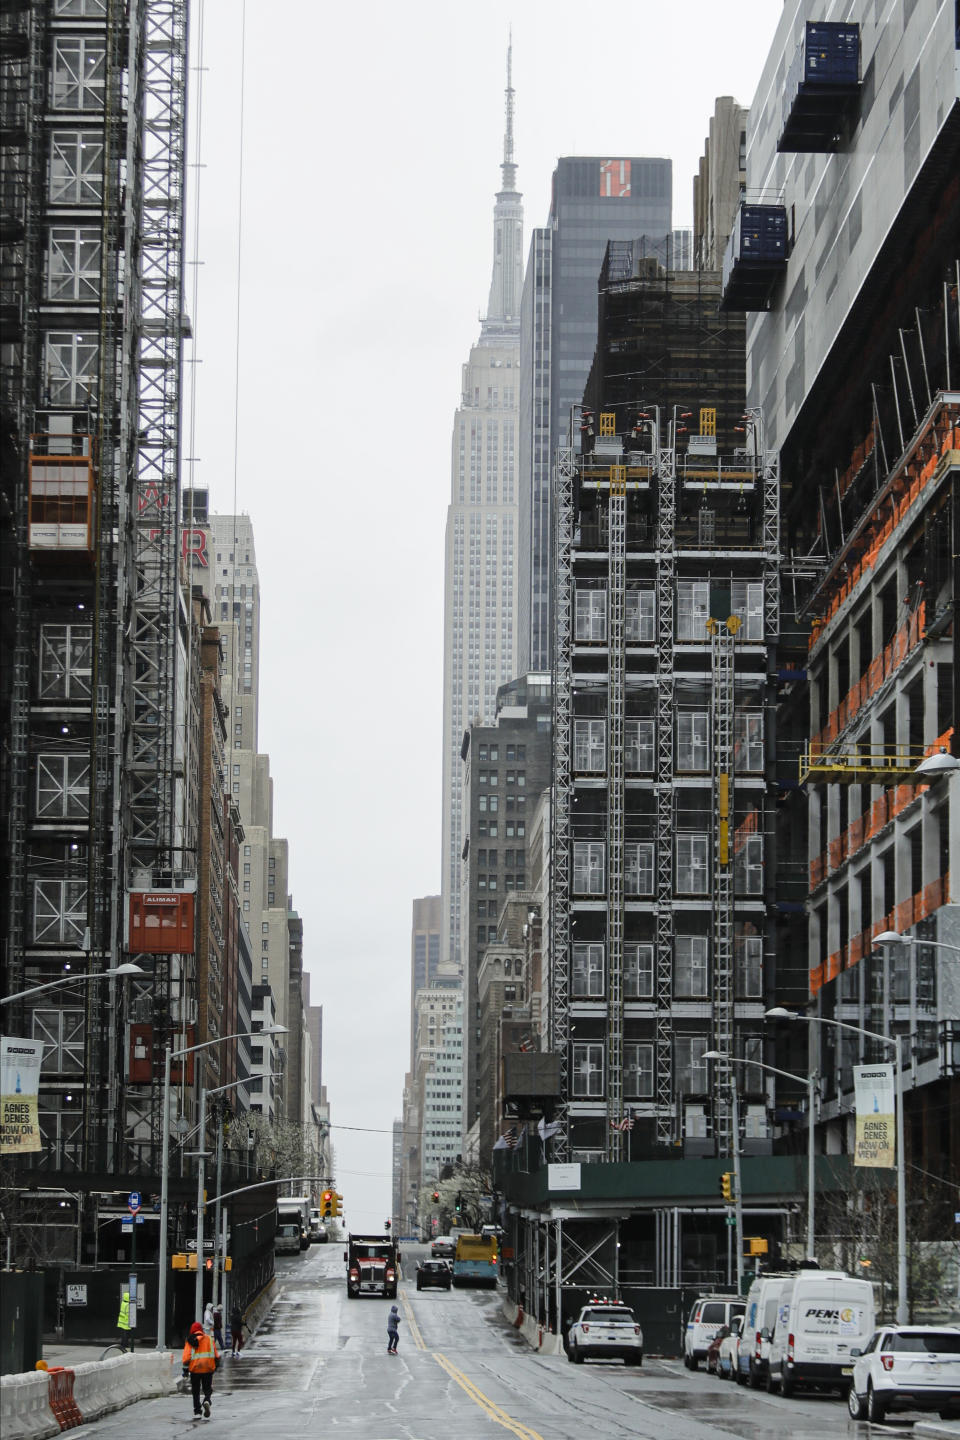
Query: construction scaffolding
[667, 592]
[91, 188]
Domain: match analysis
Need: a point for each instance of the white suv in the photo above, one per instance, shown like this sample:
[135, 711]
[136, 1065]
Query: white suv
[605, 1330]
[907, 1367]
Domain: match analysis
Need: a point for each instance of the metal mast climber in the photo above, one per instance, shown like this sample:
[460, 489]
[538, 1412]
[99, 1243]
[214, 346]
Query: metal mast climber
[157, 850]
[666, 568]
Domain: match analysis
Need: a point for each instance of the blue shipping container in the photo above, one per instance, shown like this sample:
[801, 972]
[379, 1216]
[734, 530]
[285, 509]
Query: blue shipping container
[831, 53]
[763, 232]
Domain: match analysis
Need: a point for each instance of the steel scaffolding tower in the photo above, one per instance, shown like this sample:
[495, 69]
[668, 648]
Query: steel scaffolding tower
[562, 793]
[616, 682]
[154, 763]
[723, 640]
[663, 451]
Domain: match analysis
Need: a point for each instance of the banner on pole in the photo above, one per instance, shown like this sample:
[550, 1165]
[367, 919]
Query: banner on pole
[19, 1082]
[875, 1103]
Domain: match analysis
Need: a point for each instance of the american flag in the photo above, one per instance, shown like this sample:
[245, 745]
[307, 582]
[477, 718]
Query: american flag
[625, 1124]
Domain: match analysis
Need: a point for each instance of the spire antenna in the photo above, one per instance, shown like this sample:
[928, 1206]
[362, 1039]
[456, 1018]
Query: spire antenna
[508, 168]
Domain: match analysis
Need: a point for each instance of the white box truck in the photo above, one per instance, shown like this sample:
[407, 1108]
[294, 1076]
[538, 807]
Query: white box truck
[295, 1210]
[822, 1316]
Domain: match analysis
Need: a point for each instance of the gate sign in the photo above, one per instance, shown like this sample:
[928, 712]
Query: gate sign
[19, 1082]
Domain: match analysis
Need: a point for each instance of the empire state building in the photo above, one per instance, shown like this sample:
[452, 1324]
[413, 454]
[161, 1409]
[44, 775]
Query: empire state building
[480, 607]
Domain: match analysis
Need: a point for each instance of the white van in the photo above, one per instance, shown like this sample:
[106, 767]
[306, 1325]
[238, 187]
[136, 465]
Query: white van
[822, 1316]
[758, 1327]
[708, 1314]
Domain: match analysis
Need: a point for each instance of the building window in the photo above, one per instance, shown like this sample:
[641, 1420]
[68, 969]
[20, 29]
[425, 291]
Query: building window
[746, 601]
[588, 970]
[246, 868]
[638, 867]
[65, 662]
[587, 1070]
[690, 1068]
[63, 787]
[693, 741]
[589, 746]
[637, 1070]
[78, 73]
[693, 610]
[589, 866]
[748, 741]
[693, 852]
[70, 367]
[73, 262]
[749, 967]
[748, 865]
[590, 612]
[690, 968]
[76, 168]
[638, 738]
[637, 971]
[639, 615]
[246, 886]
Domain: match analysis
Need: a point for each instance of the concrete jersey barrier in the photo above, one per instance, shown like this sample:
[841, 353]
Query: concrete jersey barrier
[99, 1387]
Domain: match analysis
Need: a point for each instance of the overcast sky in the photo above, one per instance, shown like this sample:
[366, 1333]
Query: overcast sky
[372, 136]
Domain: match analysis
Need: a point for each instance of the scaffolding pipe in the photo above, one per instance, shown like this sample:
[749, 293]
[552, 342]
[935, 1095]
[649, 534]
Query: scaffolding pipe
[923, 355]
[906, 371]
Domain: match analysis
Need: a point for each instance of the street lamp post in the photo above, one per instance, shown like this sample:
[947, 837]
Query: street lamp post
[82, 978]
[811, 1093]
[779, 1013]
[169, 1055]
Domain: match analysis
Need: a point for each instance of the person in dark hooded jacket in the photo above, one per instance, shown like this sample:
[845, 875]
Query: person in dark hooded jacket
[393, 1330]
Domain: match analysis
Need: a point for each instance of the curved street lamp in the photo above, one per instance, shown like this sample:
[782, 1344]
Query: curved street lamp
[81, 978]
[780, 1013]
[169, 1055]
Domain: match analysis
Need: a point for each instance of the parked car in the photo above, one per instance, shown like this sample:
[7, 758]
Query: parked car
[434, 1275]
[443, 1249]
[712, 1356]
[605, 1330]
[729, 1356]
[909, 1367]
[822, 1316]
[707, 1315]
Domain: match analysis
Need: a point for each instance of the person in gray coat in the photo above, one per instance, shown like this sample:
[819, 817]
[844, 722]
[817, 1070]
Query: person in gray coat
[393, 1330]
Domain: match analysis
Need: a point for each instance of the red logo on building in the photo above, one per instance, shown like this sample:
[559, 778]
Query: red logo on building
[615, 178]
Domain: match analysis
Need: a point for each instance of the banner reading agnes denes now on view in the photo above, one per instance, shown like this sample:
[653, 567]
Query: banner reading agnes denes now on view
[875, 1102]
[19, 1082]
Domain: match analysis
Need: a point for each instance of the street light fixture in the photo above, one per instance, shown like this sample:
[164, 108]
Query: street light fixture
[82, 978]
[780, 1013]
[933, 766]
[169, 1055]
[893, 937]
[810, 1082]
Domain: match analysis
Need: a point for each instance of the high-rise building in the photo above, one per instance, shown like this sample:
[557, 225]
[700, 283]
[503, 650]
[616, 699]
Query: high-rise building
[479, 622]
[506, 766]
[667, 621]
[425, 941]
[854, 354]
[594, 200]
[720, 182]
[98, 766]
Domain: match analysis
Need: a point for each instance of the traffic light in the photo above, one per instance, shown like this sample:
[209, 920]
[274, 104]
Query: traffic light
[726, 1185]
[326, 1204]
[337, 1203]
[436, 1197]
[459, 1203]
[387, 1224]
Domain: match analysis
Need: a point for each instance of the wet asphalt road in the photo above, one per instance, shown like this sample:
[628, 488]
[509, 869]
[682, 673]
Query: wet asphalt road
[318, 1366]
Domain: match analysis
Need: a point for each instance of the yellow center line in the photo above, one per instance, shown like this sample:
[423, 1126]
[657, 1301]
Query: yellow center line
[411, 1321]
[523, 1432]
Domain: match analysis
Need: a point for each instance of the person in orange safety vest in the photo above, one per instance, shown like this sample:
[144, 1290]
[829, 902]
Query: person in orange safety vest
[200, 1359]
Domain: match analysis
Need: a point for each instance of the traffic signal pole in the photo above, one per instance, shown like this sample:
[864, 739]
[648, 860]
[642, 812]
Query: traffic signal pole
[737, 1195]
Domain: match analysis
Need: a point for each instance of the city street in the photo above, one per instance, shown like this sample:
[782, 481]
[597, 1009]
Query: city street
[319, 1365]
